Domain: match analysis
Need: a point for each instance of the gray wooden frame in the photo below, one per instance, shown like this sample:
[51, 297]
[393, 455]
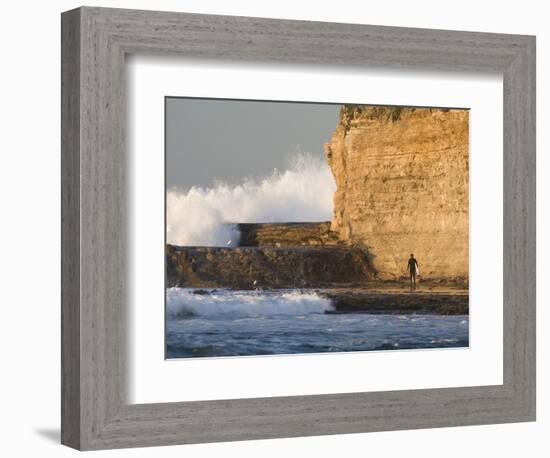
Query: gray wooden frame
[95, 413]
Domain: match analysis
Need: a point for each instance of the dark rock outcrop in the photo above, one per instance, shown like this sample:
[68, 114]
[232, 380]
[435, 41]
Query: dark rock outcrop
[267, 267]
[451, 303]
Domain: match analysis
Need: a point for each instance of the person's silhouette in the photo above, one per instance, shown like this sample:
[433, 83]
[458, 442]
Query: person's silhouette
[412, 267]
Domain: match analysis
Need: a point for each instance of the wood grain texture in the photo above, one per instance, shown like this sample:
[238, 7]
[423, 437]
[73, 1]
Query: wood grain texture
[70, 229]
[96, 414]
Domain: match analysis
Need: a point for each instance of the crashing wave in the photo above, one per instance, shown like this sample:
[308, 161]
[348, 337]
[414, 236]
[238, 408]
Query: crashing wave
[203, 216]
[184, 303]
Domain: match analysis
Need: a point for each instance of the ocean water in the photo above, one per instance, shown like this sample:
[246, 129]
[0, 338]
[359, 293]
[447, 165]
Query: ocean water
[238, 323]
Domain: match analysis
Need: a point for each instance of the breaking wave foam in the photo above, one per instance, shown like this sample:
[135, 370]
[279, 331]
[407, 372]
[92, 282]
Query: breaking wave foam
[207, 216]
[184, 303]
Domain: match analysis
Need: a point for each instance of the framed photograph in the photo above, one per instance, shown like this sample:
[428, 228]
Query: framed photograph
[310, 254]
[277, 228]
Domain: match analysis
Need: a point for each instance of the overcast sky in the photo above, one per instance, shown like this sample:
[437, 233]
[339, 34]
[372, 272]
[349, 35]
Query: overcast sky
[229, 140]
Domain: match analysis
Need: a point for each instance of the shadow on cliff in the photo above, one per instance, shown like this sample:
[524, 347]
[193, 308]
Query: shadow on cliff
[368, 258]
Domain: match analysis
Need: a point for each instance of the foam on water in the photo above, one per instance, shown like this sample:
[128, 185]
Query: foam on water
[184, 303]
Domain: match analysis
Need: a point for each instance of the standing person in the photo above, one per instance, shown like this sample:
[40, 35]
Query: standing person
[413, 269]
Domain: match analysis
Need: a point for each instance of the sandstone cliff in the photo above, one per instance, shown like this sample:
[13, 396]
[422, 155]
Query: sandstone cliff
[402, 187]
[287, 234]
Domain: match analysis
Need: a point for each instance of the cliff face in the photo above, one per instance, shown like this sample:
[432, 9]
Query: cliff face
[402, 187]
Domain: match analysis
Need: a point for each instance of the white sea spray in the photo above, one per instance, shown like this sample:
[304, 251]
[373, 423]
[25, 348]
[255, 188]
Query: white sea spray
[207, 216]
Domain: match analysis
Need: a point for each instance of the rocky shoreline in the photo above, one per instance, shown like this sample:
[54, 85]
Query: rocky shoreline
[402, 303]
[390, 300]
[310, 257]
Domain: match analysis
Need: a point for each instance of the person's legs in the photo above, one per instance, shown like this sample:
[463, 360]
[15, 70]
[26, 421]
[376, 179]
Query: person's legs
[413, 281]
